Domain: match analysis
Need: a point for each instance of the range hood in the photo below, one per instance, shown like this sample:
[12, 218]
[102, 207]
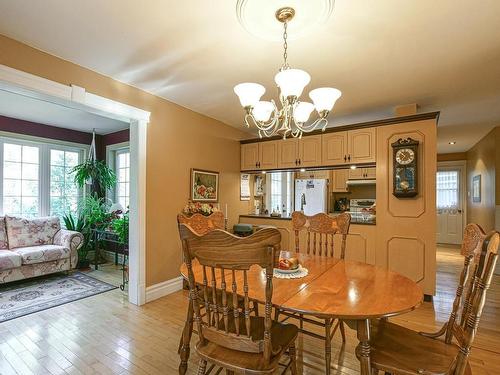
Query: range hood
[361, 182]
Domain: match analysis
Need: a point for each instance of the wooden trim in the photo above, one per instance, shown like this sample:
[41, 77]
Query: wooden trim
[360, 125]
[309, 169]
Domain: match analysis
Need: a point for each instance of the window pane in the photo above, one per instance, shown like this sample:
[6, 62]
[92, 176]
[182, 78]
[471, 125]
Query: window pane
[30, 189]
[12, 152]
[447, 189]
[12, 188]
[64, 193]
[123, 177]
[30, 171]
[21, 180]
[56, 157]
[11, 170]
[30, 154]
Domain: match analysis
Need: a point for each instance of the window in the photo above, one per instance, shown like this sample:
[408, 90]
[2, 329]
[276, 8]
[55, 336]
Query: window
[280, 192]
[122, 168]
[35, 178]
[21, 180]
[64, 192]
[447, 188]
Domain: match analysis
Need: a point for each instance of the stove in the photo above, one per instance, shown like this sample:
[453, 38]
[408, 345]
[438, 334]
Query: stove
[359, 209]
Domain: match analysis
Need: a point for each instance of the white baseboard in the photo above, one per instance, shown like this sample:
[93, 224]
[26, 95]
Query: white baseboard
[163, 289]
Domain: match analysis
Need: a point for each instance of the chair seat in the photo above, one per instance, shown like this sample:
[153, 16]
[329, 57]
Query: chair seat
[397, 348]
[42, 253]
[9, 259]
[282, 335]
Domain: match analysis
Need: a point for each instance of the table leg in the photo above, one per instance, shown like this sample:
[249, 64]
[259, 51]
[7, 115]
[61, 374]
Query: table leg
[187, 332]
[96, 251]
[363, 328]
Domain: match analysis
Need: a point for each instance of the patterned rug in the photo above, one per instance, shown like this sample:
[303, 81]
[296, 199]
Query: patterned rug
[30, 296]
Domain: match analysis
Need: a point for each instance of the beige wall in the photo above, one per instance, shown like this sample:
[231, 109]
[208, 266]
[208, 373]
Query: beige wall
[178, 139]
[481, 160]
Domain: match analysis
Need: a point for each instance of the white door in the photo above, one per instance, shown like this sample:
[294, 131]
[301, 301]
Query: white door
[450, 202]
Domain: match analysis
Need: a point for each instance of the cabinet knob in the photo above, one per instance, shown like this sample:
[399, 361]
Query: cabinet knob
[300, 162]
[349, 158]
[345, 158]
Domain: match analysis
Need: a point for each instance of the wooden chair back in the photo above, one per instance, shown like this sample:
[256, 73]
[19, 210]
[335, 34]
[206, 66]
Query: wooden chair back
[481, 253]
[226, 260]
[321, 229]
[202, 224]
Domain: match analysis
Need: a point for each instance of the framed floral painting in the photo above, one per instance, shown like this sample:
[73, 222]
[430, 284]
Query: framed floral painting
[204, 186]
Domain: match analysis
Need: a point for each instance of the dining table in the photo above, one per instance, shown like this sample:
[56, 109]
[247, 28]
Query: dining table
[352, 291]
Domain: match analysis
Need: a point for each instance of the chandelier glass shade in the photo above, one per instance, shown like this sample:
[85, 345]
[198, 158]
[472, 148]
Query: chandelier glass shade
[291, 118]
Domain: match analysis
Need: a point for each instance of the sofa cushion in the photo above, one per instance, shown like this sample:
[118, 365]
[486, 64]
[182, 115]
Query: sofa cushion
[9, 259]
[31, 232]
[42, 253]
[4, 244]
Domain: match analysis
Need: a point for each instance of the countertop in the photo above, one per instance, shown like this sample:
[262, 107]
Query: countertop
[264, 216]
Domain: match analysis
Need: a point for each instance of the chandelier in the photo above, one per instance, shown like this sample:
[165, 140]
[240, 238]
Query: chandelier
[293, 116]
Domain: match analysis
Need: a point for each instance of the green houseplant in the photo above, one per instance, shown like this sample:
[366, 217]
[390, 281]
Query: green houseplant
[97, 174]
[120, 227]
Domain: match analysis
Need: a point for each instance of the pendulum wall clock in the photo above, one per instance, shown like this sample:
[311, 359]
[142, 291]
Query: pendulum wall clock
[405, 168]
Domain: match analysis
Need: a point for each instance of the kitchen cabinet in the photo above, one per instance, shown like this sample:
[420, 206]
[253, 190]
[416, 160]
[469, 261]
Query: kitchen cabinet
[305, 152]
[310, 151]
[334, 148]
[323, 174]
[363, 173]
[361, 145]
[338, 180]
[288, 153]
[259, 155]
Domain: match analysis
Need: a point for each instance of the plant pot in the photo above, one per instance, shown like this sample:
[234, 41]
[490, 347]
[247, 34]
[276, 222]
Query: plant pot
[83, 264]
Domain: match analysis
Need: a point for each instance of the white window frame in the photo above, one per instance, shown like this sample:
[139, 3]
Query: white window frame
[112, 152]
[44, 145]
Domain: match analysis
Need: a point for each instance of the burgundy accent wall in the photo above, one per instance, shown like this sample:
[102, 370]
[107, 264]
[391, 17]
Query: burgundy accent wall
[110, 139]
[17, 126]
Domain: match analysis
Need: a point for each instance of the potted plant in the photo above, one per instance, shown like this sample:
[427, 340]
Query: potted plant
[96, 174]
[79, 224]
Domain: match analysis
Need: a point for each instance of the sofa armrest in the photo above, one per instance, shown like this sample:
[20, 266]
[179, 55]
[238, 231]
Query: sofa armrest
[72, 240]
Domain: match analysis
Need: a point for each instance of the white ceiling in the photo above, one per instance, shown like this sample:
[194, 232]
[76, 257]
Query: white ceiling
[36, 110]
[443, 55]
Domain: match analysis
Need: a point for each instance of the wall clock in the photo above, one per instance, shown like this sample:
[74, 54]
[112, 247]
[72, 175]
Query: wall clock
[405, 168]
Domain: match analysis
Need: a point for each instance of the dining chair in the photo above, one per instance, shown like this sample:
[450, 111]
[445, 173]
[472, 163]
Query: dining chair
[320, 230]
[398, 350]
[201, 225]
[229, 336]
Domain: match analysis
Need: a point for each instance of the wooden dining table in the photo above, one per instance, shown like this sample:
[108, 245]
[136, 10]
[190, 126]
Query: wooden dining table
[352, 291]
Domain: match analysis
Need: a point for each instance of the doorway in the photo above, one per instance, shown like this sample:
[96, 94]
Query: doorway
[75, 97]
[450, 202]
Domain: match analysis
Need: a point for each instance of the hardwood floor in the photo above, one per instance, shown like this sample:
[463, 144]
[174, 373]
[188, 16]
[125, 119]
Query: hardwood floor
[105, 334]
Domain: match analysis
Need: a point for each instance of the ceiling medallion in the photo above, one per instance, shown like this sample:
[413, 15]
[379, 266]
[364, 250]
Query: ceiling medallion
[292, 118]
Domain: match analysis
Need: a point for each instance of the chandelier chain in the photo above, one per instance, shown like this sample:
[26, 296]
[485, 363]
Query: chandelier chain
[285, 47]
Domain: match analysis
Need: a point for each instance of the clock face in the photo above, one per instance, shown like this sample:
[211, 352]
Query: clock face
[405, 156]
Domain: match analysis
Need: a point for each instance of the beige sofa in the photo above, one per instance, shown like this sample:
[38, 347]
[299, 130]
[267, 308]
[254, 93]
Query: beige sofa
[35, 247]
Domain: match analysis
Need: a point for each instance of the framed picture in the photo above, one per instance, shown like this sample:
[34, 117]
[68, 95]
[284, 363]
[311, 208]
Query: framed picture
[204, 186]
[476, 188]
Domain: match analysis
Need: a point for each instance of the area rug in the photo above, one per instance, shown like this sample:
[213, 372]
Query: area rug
[30, 296]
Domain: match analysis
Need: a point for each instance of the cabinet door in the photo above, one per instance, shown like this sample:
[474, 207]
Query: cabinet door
[288, 153]
[339, 180]
[268, 155]
[371, 173]
[334, 148]
[249, 156]
[310, 151]
[357, 174]
[361, 145]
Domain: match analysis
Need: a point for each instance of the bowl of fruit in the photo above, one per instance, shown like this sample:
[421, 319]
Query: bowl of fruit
[287, 263]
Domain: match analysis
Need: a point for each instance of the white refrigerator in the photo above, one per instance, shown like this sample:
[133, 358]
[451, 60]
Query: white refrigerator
[311, 196]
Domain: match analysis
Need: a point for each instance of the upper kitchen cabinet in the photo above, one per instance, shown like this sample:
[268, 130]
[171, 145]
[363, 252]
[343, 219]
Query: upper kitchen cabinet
[338, 180]
[249, 156]
[361, 145]
[310, 151]
[288, 153]
[260, 155]
[268, 155]
[334, 148]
